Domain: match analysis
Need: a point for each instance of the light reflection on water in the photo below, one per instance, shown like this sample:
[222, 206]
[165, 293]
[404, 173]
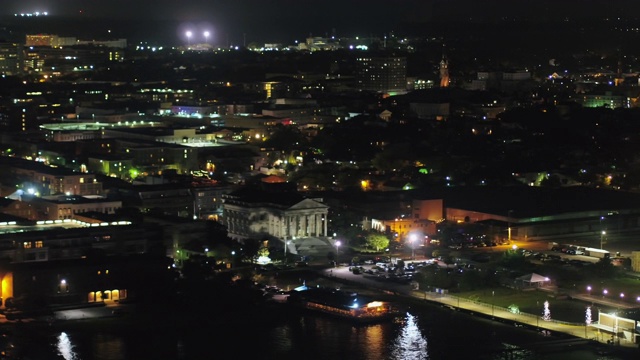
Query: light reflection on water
[410, 344]
[420, 335]
[65, 347]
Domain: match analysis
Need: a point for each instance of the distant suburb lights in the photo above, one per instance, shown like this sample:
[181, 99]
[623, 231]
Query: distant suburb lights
[29, 14]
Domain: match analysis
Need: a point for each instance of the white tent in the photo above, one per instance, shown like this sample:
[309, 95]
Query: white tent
[532, 279]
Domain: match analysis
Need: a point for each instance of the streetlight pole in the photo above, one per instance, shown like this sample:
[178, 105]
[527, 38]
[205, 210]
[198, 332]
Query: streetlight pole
[509, 224]
[602, 238]
[537, 316]
[189, 34]
[286, 243]
[493, 293]
[412, 240]
[338, 243]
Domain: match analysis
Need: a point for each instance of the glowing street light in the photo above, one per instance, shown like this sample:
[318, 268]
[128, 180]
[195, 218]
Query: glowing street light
[189, 35]
[602, 238]
[206, 36]
[412, 240]
[589, 289]
[604, 293]
[337, 244]
[63, 287]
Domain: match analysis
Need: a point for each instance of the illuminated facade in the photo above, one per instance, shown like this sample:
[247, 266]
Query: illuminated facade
[41, 40]
[606, 100]
[48, 180]
[31, 272]
[444, 72]
[284, 216]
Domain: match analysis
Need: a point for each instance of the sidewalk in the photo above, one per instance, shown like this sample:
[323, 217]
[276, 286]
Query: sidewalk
[576, 330]
[579, 331]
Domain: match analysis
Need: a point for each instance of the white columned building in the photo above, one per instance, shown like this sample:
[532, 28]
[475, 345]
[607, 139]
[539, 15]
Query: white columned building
[285, 216]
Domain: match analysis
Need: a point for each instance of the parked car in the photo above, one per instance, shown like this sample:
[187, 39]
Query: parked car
[280, 296]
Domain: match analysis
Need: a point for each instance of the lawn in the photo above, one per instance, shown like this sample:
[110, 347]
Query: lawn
[533, 302]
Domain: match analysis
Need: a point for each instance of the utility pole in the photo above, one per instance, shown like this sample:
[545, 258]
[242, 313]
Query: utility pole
[509, 224]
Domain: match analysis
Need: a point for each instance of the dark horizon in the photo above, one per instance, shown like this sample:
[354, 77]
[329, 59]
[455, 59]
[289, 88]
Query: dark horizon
[245, 21]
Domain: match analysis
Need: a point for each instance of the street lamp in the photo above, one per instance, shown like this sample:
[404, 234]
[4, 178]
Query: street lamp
[63, 287]
[189, 35]
[602, 238]
[589, 289]
[509, 224]
[338, 243]
[206, 36]
[286, 244]
[604, 293]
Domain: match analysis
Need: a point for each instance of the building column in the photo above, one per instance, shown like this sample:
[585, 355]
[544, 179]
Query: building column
[305, 224]
[316, 223]
[325, 223]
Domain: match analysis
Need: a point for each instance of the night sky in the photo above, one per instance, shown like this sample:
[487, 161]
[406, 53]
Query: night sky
[394, 9]
[277, 18]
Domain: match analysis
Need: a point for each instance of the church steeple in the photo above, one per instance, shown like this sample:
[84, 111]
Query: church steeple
[444, 69]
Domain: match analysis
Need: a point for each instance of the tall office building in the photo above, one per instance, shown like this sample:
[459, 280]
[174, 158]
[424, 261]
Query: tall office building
[11, 59]
[386, 75]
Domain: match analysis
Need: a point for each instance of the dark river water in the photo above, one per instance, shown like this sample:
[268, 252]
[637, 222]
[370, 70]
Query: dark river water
[428, 332]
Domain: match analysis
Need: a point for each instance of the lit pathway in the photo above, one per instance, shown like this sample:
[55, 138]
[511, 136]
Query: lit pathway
[579, 331]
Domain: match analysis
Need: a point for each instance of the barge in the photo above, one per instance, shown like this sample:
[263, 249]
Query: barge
[342, 304]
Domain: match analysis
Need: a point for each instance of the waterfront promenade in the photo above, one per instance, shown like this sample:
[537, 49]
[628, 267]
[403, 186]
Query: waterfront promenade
[579, 331]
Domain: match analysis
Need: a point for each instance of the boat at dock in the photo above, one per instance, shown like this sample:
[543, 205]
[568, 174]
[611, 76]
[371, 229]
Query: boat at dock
[343, 304]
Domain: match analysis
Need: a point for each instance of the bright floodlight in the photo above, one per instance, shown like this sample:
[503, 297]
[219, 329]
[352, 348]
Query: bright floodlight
[206, 34]
[338, 243]
[189, 34]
